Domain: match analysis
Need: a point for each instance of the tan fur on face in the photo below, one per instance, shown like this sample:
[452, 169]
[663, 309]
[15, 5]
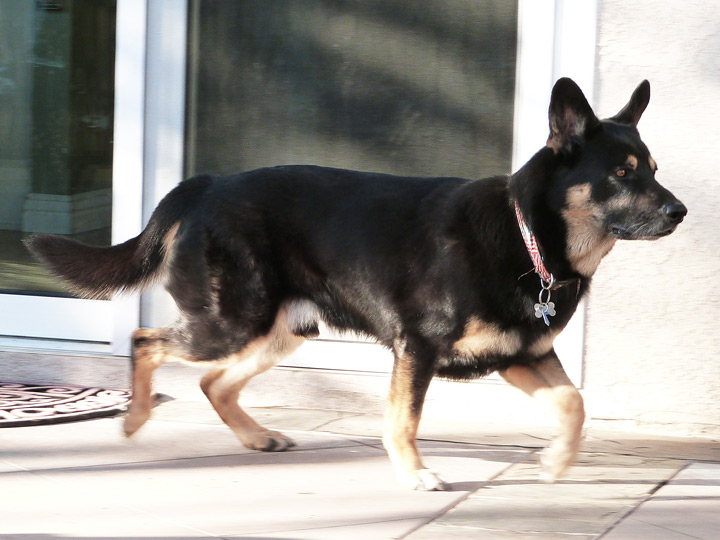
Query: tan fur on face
[631, 162]
[481, 337]
[652, 163]
[587, 242]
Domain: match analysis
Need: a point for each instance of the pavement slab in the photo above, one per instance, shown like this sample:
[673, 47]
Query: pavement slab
[100, 442]
[688, 506]
[368, 531]
[598, 491]
[195, 481]
[184, 476]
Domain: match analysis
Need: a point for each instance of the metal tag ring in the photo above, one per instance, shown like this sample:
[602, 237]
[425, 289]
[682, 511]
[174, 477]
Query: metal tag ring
[547, 285]
[544, 292]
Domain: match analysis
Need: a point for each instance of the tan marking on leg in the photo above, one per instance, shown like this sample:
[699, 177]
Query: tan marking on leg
[150, 349]
[483, 337]
[548, 383]
[222, 389]
[223, 383]
[402, 418]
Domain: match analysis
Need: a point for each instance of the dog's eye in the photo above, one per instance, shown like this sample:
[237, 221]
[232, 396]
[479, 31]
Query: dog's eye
[620, 173]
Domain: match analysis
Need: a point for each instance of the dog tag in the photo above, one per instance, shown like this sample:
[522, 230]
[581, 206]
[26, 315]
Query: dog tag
[545, 310]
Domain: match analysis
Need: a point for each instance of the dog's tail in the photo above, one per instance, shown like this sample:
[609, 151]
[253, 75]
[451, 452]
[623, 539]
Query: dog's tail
[98, 272]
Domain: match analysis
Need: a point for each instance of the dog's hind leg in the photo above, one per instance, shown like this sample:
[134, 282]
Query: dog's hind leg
[548, 382]
[150, 349]
[223, 383]
[408, 385]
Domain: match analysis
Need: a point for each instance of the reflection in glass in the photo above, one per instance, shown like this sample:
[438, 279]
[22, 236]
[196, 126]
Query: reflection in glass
[57, 63]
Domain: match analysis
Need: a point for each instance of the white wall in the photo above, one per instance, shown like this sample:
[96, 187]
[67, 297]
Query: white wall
[653, 340]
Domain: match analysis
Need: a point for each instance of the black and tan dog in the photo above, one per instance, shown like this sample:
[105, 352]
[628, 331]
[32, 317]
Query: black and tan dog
[442, 271]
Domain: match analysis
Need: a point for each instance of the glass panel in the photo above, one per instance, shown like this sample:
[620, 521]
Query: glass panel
[401, 87]
[57, 65]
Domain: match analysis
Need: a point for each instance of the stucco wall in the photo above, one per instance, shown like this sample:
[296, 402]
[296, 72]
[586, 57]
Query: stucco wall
[653, 328]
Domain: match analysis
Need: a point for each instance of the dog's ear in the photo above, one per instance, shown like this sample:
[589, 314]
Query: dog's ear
[570, 115]
[631, 113]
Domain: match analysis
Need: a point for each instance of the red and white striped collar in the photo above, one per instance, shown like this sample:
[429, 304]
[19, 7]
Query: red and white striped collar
[533, 249]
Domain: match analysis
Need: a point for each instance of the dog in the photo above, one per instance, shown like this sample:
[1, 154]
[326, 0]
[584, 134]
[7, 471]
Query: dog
[458, 278]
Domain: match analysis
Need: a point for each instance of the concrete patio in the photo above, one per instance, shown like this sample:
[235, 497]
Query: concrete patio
[186, 477]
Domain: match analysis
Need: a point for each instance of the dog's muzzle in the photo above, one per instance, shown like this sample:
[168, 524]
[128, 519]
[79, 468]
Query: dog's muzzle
[663, 222]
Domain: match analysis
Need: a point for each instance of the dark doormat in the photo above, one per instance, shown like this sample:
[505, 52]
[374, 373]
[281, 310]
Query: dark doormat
[37, 404]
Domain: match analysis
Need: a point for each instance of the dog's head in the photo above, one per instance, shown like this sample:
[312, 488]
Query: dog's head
[605, 185]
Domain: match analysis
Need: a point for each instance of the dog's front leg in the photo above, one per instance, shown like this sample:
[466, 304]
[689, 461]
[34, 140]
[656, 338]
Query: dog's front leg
[546, 381]
[410, 381]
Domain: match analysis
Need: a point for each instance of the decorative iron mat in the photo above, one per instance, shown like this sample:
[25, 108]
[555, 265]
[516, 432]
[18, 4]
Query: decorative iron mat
[24, 404]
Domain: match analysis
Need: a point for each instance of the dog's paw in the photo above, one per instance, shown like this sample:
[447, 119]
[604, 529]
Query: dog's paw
[555, 461]
[134, 421]
[268, 441]
[424, 480]
[431, 481]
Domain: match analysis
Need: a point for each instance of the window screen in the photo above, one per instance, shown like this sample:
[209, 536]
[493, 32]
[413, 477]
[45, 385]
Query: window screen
[407, 87]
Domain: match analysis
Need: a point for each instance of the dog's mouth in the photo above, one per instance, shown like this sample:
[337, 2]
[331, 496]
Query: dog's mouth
[648, 225]
[640, 231]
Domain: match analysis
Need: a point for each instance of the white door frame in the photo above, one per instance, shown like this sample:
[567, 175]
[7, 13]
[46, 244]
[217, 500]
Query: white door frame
[556, 38]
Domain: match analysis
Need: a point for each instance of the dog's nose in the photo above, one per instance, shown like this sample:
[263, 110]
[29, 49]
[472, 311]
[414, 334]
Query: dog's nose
[675, 211]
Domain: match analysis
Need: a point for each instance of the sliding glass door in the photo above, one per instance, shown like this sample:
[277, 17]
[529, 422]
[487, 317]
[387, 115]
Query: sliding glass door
[57, 132]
